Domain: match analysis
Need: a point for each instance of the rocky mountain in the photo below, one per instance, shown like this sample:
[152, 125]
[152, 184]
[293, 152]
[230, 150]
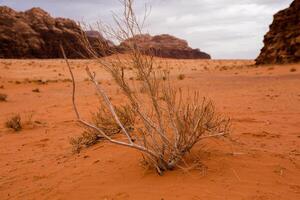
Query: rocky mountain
[164, 45]
[35, 34]
[282, 42]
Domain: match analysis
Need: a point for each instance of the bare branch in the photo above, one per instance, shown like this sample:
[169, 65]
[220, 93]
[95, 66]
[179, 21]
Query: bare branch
[108, 103]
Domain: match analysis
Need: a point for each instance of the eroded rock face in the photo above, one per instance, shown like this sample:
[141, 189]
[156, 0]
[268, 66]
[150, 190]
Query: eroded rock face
[99, 44]
[35, 34]
[166, 46]
[282, 42]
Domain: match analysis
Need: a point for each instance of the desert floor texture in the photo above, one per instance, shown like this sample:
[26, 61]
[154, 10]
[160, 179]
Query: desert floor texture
[260, 161]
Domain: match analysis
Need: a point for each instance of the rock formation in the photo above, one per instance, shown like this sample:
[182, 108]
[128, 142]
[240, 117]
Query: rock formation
[166, 46]
[282, 42]
[99, 44]
[35, 34]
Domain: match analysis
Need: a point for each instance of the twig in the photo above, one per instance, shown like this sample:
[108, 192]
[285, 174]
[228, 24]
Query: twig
[213, 135]
[73, 81]
[109, 104]
[236, 175]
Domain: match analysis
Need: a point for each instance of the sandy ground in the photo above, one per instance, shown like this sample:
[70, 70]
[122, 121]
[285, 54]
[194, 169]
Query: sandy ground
[261, 162]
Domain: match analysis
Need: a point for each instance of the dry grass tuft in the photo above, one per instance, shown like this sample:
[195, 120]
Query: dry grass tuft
[103, 120]
[3, 97]
[14, 123]
[86, 139]
[37, 90]
[181, 77]
[224, 68]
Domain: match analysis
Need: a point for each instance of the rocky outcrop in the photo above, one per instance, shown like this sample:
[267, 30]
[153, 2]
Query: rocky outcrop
[99, 44]
[166, 46]
[35, 34]
[282, 42]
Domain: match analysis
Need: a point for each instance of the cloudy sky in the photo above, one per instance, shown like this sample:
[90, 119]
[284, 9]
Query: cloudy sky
[223, 28]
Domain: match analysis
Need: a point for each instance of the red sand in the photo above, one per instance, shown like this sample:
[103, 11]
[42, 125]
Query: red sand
[261, 162]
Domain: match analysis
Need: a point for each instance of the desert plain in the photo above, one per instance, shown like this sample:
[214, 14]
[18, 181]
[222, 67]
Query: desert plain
[260, 160]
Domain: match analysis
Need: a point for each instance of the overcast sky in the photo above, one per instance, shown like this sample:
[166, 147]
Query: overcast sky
[223, 28]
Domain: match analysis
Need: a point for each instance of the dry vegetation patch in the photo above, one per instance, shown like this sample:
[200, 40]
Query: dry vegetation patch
[3, 97]
[14, 123]
[162, 122]
[36, 90]
[181, 77]
[104, 120]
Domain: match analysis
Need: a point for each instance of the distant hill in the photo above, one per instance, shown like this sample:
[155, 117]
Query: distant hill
[164, 45]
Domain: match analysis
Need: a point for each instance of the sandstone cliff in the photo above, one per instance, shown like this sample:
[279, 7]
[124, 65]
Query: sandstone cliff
[35, 34]
[164, 45]
[282, 42]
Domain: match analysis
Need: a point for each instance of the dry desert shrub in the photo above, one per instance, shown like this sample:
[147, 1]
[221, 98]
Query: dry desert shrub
[36, 90]
[168, 121]
[224, 68]
[181, 77]
[18, 122]
[3, 97]
[14, 123]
